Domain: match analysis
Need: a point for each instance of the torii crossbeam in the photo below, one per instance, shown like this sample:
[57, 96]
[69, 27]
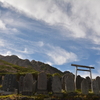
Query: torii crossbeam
[89, 70]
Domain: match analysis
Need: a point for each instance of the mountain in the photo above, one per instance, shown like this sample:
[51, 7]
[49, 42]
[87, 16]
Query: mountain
[6, 67]
[36, 65]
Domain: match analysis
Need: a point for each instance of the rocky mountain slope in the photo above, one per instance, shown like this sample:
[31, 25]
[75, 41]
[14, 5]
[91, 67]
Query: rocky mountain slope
[36, 65]
[6, 68]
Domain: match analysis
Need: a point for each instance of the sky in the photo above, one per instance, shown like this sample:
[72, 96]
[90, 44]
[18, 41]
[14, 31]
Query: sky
[56, 32]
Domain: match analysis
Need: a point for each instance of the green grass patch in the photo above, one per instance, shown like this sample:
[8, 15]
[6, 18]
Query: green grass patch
[8, 68]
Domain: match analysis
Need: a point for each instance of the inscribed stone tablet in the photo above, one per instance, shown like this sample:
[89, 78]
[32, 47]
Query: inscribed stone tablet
[28, 83]
[42, 81]
[56, 84]
[84, 87]
[98, 80]
[95, 87]
[70, 86]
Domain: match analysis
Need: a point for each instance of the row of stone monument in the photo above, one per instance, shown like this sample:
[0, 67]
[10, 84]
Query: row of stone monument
[28, 85]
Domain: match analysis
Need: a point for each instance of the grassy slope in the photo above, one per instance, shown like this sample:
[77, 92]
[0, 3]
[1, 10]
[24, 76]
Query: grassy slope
[6, 67]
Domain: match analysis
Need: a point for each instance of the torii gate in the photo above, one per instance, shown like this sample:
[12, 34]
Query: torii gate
[89, 70]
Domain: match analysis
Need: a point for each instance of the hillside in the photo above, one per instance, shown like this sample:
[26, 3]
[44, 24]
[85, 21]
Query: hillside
[6, 67]
[35, 65]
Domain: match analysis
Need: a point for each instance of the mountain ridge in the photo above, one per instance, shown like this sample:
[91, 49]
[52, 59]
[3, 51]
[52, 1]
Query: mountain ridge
[36, 65]
[8, 68]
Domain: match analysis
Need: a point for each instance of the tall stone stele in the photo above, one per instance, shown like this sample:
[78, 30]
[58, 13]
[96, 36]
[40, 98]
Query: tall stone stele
[28, 82]
[78, 82]
[70, 85]
[63, 80]
[89, 81]
[98, 80]
[42, 83]
[21, 84]
[0, 79]
[95, 87]
[56, 84]
[9, 83]
[84, 87]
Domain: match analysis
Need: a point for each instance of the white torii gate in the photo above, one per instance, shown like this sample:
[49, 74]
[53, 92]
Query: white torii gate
[89, 70]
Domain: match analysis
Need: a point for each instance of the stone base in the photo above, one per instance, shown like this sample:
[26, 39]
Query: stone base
[27, 93]
[58, 94]
[42, 92]
[5, 92]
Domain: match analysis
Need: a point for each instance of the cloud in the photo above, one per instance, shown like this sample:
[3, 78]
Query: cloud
[72, 19]
[80, 19]
[85, 74]
[9, 53]
[96, 48]
[49, 63]
[60, 56]
[40, 9]
[2, 25]
[2, 44]
[53, 55]
[6, 28]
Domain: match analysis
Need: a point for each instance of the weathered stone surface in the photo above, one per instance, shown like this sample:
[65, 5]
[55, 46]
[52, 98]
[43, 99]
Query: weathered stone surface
[21, 84]
[28, 84]
[49, 84]
[78, 82]
[42, 82]
[0, 79]
[9, 82]
[56, 84]
[98, 80]
[63, 80]
[70, 85]
[95, 87]
[34, 86]
[84, 87]
[89, 82]
[5, 82]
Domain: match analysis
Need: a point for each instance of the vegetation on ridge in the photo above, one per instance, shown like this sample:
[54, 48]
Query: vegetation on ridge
[8, 68]
[36, 65]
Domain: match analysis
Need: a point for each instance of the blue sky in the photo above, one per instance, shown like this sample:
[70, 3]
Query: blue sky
[56, 32]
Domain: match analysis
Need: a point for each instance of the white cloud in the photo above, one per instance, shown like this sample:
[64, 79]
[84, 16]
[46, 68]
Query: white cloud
[40, 43]
[2, 25]
[96, 48]
[6, 28]
[25, 51]
[60, 56]
[54, 55]
[2, 43]
[7, 53]
[85, 74]
[49, 63]
[80, 18]
[50, 12]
